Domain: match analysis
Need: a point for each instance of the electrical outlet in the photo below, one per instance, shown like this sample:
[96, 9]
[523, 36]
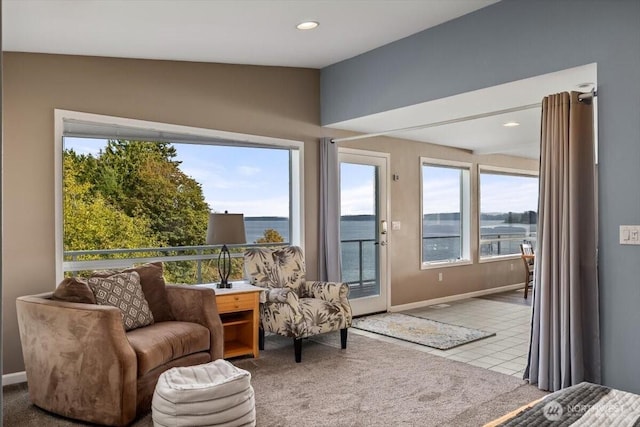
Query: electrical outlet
[511, 266]
[630, 234]
[439, 277]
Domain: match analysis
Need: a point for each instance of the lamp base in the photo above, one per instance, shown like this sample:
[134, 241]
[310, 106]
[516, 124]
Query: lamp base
[225, 285]
[224, 267]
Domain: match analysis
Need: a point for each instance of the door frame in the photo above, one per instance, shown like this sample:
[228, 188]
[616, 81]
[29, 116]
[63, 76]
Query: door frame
[384, 209]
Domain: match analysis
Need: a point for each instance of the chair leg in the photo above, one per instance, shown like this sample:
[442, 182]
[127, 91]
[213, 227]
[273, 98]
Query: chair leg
[260, 338]
[343, 338]
[297, 347]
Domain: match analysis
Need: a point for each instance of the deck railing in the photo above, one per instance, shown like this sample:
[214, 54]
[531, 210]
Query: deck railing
[359, 267]
[107, 259]
[500, 244]
[111, 259]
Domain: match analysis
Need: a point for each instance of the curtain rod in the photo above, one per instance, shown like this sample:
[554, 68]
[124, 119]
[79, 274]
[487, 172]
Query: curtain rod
[587, 96]
[582, 97]
[434, 124]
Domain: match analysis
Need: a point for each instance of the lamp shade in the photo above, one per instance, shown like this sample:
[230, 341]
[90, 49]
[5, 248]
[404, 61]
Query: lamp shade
[225, 228]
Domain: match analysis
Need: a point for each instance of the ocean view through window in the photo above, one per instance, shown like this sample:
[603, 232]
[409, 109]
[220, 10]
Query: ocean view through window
[445, 212]
[122, 196]
[258, 181]
[508, 211]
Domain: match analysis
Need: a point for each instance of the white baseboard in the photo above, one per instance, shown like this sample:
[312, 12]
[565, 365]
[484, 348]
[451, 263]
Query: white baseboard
[15, 378]
[451, 298]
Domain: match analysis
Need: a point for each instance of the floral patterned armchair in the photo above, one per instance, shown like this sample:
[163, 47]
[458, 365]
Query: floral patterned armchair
[296, 307]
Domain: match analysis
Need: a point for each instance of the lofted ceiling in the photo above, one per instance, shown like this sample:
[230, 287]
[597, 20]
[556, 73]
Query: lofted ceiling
[262, 32]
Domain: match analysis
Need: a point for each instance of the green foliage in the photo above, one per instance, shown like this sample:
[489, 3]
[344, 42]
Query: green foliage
[144, 180]
[133, 195]
[90, 222]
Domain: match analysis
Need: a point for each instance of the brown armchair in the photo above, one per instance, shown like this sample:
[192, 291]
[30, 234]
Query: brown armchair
[80, 362]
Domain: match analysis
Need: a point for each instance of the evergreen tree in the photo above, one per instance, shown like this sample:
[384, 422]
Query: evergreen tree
[144, 180]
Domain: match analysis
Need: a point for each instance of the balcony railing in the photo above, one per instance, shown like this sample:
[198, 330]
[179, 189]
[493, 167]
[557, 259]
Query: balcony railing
[504, 244]
[447, 247]
[359, 267]
[108, 259]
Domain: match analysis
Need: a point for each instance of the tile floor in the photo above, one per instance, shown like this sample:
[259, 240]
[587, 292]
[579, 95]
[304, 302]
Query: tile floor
[506, 352]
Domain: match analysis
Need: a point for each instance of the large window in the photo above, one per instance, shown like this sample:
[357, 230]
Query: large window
[445, 212]
[127, 200]
[508, 211]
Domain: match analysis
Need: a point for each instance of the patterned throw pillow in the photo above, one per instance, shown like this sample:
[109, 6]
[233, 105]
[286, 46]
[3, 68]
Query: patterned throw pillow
[123, 290]
[153, 287]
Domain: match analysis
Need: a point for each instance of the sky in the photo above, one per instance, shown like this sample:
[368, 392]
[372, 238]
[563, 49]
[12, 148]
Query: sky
[357, 186]
[255, 182]
[251, 181]
[498, 193]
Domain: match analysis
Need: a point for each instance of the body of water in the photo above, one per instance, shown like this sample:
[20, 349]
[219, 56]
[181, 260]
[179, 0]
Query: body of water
[441, 240]
[349, 229]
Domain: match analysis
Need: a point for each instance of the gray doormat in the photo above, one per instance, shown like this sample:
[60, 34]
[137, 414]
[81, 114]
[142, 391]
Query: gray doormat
[419, 330]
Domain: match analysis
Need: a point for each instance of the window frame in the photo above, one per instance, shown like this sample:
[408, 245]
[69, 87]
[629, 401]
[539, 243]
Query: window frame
[75, 123]
[497, 170]
[465, 214]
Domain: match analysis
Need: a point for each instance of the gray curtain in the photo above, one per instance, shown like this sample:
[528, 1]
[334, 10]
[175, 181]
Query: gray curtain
[329, 228]
[565, 335]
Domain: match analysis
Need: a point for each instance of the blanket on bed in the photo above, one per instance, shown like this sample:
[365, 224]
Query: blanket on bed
[584, 404]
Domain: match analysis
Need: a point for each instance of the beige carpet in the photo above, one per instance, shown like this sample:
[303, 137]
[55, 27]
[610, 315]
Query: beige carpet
[372, 383]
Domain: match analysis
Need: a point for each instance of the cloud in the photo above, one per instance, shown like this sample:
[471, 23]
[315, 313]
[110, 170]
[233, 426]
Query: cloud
[84, 145]
[270, 206]
[358, 200]
[509, 196]
[441, 195]
[248, 170]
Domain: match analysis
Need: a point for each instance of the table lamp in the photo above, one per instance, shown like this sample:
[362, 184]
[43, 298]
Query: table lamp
[224, 229]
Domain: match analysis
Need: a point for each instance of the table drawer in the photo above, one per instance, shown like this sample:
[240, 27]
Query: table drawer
[236, 302]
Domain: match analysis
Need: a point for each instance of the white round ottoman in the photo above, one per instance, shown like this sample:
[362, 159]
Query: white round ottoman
[213, 394]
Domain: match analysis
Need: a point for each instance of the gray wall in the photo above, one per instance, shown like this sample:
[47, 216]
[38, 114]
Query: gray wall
[512, 40]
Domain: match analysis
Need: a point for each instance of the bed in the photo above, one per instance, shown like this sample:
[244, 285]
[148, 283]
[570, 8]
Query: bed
[584, 404]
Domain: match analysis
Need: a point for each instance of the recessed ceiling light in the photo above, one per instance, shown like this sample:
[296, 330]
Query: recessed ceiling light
[511, 124]
[307, 25]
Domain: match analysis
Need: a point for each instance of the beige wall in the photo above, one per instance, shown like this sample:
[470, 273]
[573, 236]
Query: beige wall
[269, 101]
[409, 283]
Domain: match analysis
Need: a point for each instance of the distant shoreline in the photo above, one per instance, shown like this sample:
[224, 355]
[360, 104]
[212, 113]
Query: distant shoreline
[282, 218]
[518, 218]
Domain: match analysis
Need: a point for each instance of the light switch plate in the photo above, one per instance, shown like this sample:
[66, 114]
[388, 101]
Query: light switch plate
[630, 234]
[395, 225]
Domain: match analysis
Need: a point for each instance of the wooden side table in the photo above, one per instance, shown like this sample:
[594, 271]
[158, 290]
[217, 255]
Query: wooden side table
[239, 309]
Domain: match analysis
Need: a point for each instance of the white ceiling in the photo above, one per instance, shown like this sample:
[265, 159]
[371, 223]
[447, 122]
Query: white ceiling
[262, 32]
[259, 32]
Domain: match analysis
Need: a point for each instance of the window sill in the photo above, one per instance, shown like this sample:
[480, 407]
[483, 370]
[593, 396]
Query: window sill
[445, 264]
[499, 258]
